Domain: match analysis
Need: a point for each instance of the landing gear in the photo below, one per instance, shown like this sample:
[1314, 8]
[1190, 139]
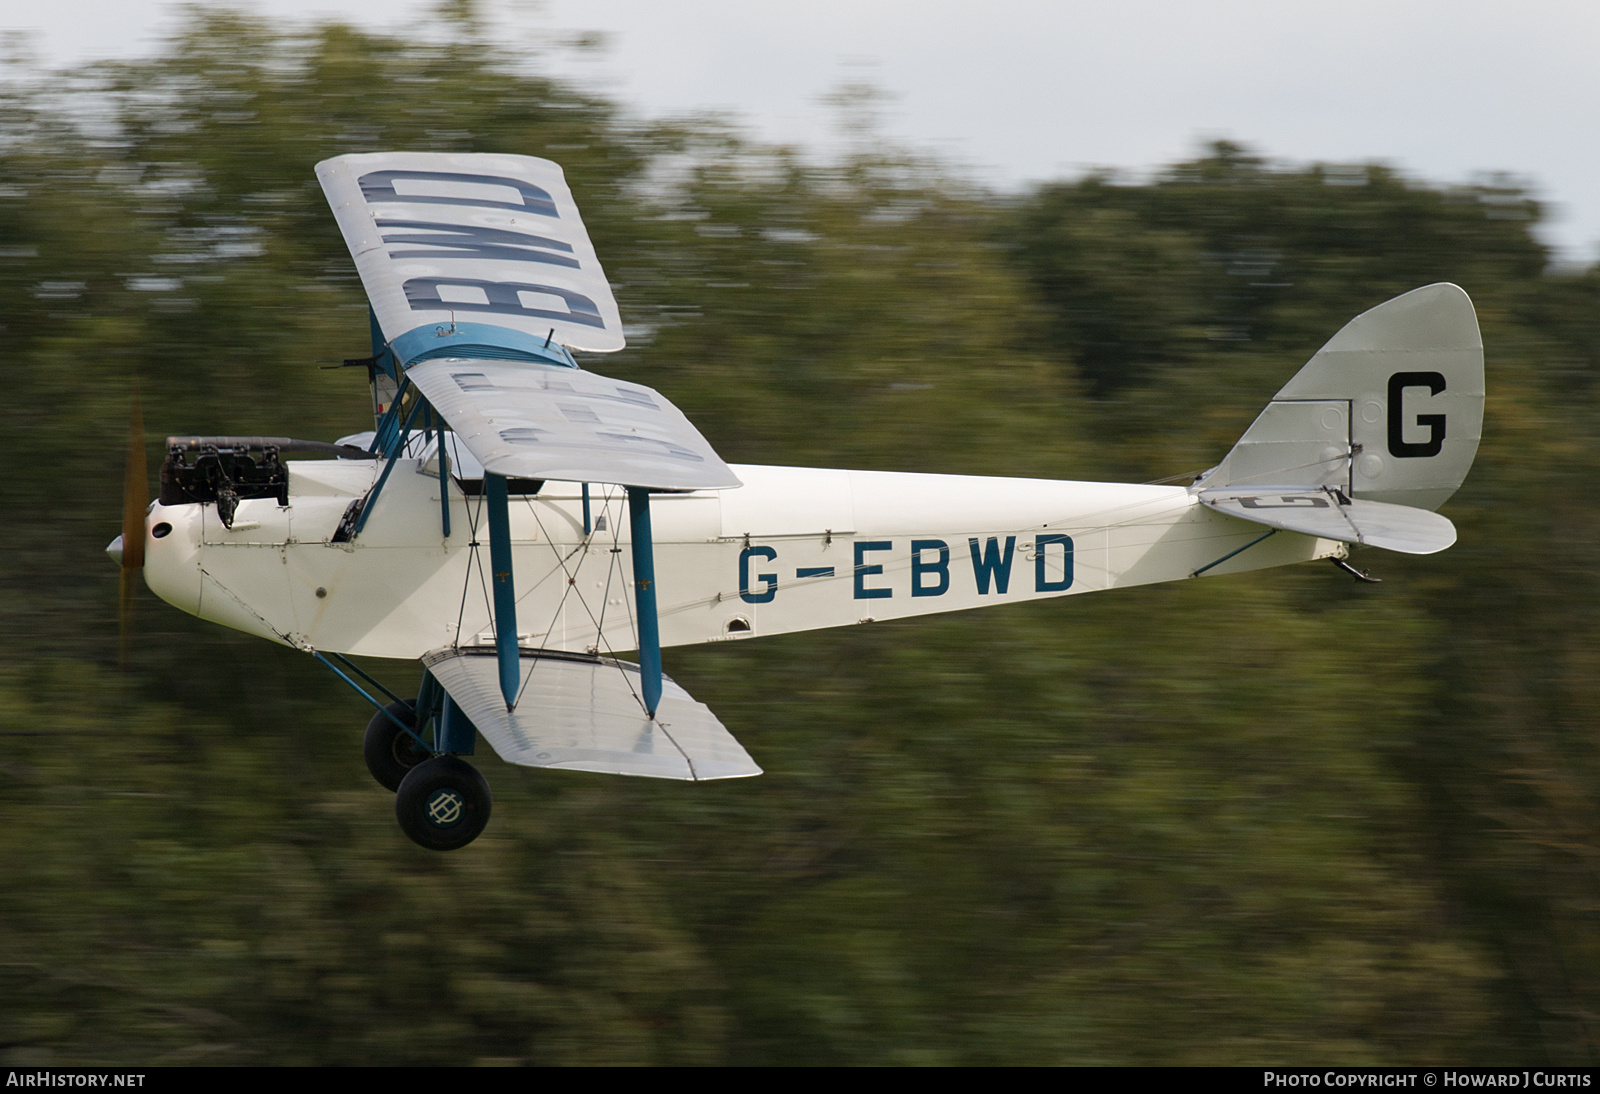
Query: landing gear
[443, 803]
[414, 748]
[390, 751]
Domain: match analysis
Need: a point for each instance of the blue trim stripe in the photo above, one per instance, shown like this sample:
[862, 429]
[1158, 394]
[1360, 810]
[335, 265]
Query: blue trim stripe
[482, 340]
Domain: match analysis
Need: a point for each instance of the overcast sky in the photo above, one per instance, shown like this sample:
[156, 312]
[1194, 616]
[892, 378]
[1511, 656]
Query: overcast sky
[1021, 90]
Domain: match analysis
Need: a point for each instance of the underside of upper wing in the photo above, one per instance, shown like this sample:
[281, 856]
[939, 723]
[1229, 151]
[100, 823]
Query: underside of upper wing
[530, 421]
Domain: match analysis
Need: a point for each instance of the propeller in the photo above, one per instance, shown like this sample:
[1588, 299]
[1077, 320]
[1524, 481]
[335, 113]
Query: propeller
[128, 548]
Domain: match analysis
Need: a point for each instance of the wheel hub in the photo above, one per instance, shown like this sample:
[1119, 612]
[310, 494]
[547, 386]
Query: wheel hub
[445, 808]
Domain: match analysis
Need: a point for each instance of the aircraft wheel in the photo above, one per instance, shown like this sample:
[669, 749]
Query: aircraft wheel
[390, 752]
[443, 803]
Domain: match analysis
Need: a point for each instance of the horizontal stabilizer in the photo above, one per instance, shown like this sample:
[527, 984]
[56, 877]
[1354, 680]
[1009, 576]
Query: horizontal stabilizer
[1330, 514]
[530, 421]
[585, 714]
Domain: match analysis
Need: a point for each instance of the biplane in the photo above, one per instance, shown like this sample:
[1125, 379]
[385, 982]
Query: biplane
[516, 521]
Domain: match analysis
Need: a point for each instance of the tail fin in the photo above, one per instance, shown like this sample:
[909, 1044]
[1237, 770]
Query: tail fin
[1390, 410]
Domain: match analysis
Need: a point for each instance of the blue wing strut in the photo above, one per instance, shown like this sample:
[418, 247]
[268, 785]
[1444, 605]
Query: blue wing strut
[644, 594]
[505, 591]
[505, 597]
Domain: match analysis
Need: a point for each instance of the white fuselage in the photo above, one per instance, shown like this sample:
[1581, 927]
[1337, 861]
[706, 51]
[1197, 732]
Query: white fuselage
[792, 549]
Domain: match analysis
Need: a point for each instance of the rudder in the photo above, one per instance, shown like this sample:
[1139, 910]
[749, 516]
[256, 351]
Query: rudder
[1390, 410]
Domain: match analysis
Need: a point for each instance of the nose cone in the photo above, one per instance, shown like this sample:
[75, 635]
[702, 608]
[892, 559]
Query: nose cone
[172, 555]
[114, 549]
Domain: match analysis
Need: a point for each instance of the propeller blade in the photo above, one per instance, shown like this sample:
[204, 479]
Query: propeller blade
[135, 490]
[135, 498]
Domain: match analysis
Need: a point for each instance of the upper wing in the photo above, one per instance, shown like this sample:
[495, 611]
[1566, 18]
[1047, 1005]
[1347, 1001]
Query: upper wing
[494, 240]
[531, 421]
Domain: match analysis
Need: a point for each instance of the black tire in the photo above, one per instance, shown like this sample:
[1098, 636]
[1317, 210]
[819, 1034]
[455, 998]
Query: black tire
[443, 803]
[391, 752]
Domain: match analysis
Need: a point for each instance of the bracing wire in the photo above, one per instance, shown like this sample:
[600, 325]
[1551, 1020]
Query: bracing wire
[571, 575]
[474, 559]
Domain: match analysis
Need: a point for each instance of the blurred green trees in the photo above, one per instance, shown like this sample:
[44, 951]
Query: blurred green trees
[1267, 818]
